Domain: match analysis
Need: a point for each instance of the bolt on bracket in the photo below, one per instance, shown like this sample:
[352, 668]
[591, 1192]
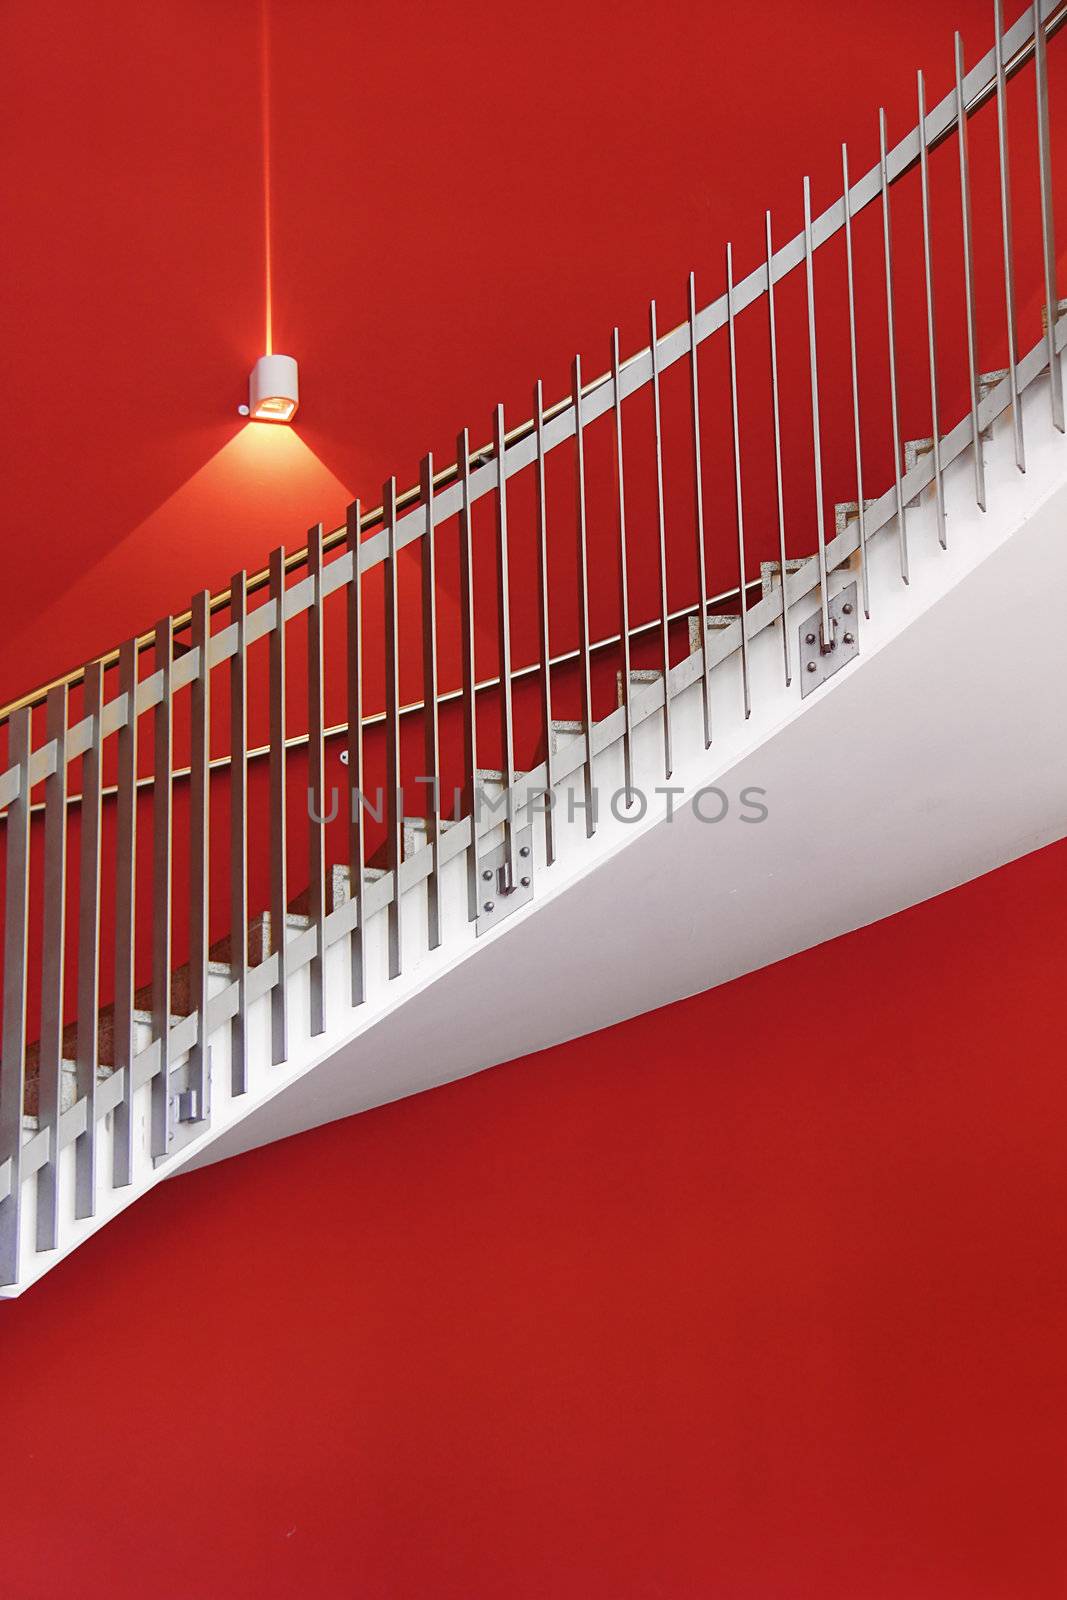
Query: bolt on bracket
[496, 898]
[817, 664]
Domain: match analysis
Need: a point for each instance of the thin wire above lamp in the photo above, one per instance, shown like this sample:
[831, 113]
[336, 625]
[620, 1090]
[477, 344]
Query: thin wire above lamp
[274, 382]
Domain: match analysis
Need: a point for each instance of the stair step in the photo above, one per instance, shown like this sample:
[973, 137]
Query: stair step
[415, 832]
[913, 450]
[771, 575]
[490, 782]
[639, 675]
[299, 912]
[565, 733]
[67, 1086]
[338, 891]
[847, 511]
[714, 625]
[987, 382]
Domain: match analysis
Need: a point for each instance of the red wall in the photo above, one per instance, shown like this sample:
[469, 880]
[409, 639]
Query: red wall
[460, 201]
[628, 1319]
[457, 205]
[759, 1296]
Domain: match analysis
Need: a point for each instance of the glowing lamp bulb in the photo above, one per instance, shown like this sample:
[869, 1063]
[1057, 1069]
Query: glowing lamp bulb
[273, 390]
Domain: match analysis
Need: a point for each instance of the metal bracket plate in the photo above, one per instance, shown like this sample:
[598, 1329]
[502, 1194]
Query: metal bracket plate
[816, 666]
[495, 900]
[188, 1119]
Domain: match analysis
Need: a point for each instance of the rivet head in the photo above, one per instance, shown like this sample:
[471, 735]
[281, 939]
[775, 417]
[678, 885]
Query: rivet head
[847, 608]
[849, 638]
[525, 882]
[524, 850]
[487, 875]
[812, 666]
[490, 905]
[809, 638]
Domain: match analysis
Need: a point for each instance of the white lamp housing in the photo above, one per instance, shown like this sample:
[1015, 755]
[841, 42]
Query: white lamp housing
[273, 389]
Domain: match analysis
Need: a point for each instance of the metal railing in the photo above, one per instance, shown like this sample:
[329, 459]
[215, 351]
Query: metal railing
[173, 701]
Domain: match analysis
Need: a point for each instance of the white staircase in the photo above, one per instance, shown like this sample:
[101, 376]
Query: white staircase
[933, 751]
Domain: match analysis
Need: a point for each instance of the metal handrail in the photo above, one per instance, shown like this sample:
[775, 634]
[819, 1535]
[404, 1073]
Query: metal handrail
[298, 741]
[974, 97]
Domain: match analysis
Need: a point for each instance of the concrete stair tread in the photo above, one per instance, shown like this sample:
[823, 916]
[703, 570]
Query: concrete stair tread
[846, 511]
[638, 677]
[565, 732]
[68, 1086]
[416, 832]
[770, 578]
[913, 450]
[713, 624]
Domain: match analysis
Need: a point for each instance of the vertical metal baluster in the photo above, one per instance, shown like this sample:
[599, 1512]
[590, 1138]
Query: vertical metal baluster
[698, 487]
[199, 851]
[50, 1069]
[1006, 230]
[664, 610]
[546, 647]
[503, 617]
[864, 583]
[743, 591]
[585, 677]
[279, 891]
[1048, 231]
[13, 1052]
[316, 786]
[394, 805]
[88, 1048]
[239, 832]
[162, 830]
[125, 916]
[968, 280]
[773, 333]
[887, 244]
[470, 708]
[826, 627]
[354, 800]
[431, 732]
[624, 579]
[928, 263]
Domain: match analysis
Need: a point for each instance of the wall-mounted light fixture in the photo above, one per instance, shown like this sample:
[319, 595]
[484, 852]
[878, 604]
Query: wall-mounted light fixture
[273, 390]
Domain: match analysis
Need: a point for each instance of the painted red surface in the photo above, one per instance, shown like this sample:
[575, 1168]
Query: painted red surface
[762, 1296]
[759, 1296]
[459, 202]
